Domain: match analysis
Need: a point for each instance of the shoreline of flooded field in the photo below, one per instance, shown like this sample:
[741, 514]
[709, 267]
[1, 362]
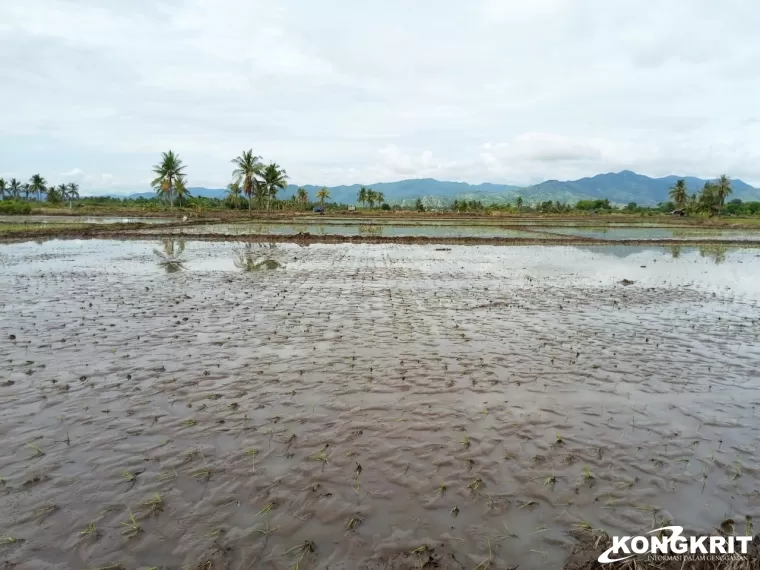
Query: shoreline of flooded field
[175, 403]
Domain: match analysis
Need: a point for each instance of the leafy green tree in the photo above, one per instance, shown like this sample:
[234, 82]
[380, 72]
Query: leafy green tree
[37, 184]
[167, 172]
[303, 196]
[323, 194]
[722, 190]
[679, 194]
[274, 179]
[3, 188]
[233, 194]
[14, 189]
[419, 206]
[362, 196]
[181, 190]
[519, 203]
[72, 191]
[248, 171]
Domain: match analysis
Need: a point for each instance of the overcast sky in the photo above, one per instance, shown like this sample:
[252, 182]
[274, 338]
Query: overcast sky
[362, 91]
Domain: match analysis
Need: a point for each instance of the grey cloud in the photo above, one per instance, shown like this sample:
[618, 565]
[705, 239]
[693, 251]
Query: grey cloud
[341, 92]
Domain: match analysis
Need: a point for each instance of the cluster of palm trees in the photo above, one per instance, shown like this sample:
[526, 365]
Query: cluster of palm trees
[711, 198]
[35, 188]
[369, 196]
[254, 179]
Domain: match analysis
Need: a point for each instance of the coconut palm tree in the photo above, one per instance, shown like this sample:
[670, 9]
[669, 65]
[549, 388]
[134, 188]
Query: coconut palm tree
[37, 184]
[323, 194]
[233, 194]
[371, 197]
[3, 189]
[181, 190]
[722, 190]
[248, 169]
[72, 191]
[303, 196]
[167, 172]
[25, 188]
[274, 179]
[362, 195]
[54, 194]
[14, 189]
[679, 194]
[380, 197]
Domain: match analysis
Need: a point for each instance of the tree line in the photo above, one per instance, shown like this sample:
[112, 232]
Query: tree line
[36, 188]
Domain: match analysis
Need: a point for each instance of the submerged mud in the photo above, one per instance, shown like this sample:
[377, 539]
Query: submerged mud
[379, 406]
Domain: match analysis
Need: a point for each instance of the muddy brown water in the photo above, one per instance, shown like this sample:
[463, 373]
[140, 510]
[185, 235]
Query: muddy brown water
[496, 398]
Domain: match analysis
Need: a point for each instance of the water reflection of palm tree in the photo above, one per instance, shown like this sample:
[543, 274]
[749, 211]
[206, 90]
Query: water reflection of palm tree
[171, 256]
[716, 252]
[675, 251]
[248, 259]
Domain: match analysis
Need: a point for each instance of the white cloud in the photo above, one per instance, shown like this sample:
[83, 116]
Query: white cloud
[361, 92]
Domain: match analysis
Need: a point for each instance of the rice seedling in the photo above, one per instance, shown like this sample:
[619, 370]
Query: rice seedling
[155, 504]
[550, 481]
[203, 475]
[190, 422]
[454, 511]
[321, 455]
[441, 492]
[530, 505]
[301, 550]
[268, 507]
[129, 477]
[214, 533]
[559, 442]
[486, 563]
[588, 477]
[37, 451]
[509, 534]
[465, 442]
[353, 522]
[45, 510]
[167, 476]
[89, 530]
[747, 525]
[476, 484]
[133, 527]
[357, 473]
[12, 540]
[737, 471]
[266, 531]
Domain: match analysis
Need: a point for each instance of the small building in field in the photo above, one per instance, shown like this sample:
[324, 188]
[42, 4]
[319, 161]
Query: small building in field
[352, 208]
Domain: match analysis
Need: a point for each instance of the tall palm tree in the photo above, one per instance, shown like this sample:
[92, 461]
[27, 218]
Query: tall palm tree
[371, 197]
[54, 194]
[14, 189]
[323, 194]
[362, 195]
[519, 203]
[303, 196]
[275, 178]
[72, 191]
[3, 188]
[37, 184]
[181, 190]
[380, 197]
[679, 194]
[233, 194]
[25, 188]
[167, 172]
[248, 169]
[722, 190]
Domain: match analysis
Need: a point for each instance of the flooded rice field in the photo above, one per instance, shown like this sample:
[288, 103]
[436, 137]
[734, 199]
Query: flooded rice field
[653, 233]
[369, 230]
[83, 220]
[173, 404]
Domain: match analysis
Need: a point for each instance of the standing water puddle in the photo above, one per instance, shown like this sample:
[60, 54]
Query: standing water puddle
[177, 403]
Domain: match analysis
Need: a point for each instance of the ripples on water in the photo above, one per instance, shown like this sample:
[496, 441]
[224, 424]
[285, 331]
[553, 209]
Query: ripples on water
[493, 397]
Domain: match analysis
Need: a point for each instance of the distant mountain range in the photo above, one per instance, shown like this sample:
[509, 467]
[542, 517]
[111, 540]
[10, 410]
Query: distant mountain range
[619, 187]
